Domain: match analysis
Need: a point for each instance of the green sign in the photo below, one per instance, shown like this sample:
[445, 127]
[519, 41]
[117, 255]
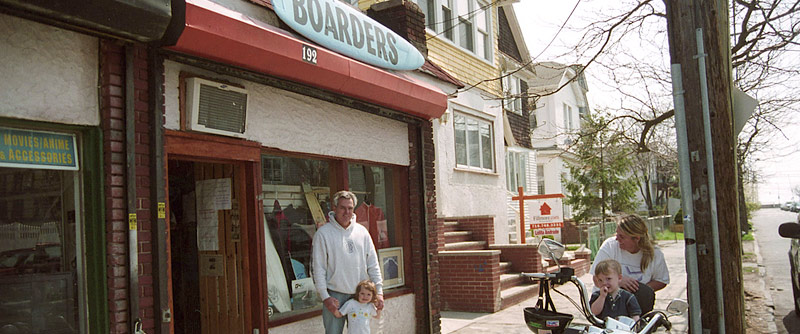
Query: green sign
[37, 149]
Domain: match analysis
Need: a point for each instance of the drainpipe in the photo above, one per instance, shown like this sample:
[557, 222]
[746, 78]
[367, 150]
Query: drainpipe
[686, 201]
[157, 191]
[712, 192]
[130, 184]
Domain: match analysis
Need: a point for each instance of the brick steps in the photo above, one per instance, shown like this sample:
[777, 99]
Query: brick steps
[509, 286]
[465, 245]
[457, 236]
[516, 294]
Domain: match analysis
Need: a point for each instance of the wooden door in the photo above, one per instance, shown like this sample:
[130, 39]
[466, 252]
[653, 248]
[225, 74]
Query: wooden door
[221, 280]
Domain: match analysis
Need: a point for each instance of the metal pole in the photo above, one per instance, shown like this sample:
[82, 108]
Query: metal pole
[130, 184]
[692, 276]
[712, 193]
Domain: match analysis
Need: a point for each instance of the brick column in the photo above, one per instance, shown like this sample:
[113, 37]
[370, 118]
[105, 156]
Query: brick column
[112, 114]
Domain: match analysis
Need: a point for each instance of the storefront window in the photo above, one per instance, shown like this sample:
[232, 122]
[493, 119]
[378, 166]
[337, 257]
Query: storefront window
[296, 195]
[38, 251]
[375, 210]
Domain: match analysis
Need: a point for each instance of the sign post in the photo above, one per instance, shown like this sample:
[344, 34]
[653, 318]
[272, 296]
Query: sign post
[549, 215]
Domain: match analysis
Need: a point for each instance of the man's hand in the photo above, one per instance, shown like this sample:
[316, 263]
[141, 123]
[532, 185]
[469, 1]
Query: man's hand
[629, 284]
[379, 303]
[332, 304]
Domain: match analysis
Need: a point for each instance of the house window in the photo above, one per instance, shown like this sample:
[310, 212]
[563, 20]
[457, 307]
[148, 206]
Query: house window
[447, 18]
[513, 91]
[469, 28]
[474, 140]
[540, 179]
[568, 125]
[516, 171]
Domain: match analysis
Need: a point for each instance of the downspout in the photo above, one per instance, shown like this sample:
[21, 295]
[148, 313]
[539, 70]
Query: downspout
[157, 191]
[686, 201]
[712, 192]
[130, 184]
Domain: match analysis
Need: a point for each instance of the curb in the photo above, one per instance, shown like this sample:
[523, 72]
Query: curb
[762, 272]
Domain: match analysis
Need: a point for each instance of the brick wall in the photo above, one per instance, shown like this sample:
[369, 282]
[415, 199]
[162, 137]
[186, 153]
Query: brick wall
[470, 281]
[482, 227]
[112, 109]
[523, 258]
[422, 217]
[572, 234]
[404, 18]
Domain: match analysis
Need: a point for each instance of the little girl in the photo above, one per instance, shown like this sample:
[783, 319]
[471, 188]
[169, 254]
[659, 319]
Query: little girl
[359, 309]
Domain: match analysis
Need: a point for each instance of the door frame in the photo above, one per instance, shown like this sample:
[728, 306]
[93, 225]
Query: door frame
[246, 155]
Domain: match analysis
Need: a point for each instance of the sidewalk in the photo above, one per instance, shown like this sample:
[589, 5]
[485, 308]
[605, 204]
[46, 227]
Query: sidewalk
[511, 319]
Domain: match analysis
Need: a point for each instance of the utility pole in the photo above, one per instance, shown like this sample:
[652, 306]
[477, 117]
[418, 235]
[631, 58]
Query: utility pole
[713, 190]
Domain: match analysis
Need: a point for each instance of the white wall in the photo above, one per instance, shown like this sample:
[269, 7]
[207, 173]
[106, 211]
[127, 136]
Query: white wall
[297, 123]
[461, 192]
[398, 318]
[48, 74]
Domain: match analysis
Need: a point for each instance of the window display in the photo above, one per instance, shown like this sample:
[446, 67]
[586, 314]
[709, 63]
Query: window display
[38, 251]
[294, 205]
[296, 197]
[374, 188]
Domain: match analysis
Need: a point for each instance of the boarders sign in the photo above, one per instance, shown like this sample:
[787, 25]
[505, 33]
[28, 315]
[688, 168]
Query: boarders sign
[346, 30]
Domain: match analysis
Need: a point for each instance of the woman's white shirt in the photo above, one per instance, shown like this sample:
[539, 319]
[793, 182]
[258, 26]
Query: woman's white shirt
[631, 262]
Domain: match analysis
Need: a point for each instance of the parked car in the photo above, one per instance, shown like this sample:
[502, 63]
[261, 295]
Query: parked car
[792, 230]
[787, 206]
[795, 207]
[43, 258]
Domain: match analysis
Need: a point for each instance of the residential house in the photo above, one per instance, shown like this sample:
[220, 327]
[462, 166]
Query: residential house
[519, 117]
[560, 106]
[166, 170]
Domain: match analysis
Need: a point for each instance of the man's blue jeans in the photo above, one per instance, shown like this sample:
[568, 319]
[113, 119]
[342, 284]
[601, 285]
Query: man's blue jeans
[334, 325]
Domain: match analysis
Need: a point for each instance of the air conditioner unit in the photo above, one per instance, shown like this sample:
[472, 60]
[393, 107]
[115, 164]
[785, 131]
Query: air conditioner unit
[215, 107]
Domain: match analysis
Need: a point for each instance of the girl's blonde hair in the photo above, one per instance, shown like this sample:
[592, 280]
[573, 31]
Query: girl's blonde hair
[608, 267]
[635, 226]
[367, 284]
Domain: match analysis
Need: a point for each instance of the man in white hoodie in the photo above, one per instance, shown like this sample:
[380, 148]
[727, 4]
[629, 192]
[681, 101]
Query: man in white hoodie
[343, 255]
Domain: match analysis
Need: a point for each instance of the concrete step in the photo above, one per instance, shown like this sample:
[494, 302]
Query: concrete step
[457, 236]
[465, 245]
[511, 280]
[505, 267]
[450, 226]
[517, 294]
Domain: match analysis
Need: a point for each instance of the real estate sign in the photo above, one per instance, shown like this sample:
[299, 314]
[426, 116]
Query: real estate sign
[547, 217]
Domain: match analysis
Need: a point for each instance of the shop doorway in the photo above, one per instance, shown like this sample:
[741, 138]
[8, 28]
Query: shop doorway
[206, 253]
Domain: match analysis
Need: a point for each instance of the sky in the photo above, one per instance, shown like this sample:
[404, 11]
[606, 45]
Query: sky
[540, 22]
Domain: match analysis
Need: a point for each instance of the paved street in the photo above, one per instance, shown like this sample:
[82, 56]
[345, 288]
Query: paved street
[511, 320]
[773, 251]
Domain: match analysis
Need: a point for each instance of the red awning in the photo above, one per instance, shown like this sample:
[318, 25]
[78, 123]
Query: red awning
[220, 34]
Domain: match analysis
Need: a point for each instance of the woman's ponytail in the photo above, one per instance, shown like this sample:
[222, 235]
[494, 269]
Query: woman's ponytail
[635, 226]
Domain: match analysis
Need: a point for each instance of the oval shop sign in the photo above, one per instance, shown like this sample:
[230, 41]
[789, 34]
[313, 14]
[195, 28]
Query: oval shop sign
[346, 30]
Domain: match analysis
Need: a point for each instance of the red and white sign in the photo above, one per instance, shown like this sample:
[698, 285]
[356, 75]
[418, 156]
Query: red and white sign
[547, 217]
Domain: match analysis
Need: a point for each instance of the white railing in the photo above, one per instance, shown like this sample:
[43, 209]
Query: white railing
[20, 236]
